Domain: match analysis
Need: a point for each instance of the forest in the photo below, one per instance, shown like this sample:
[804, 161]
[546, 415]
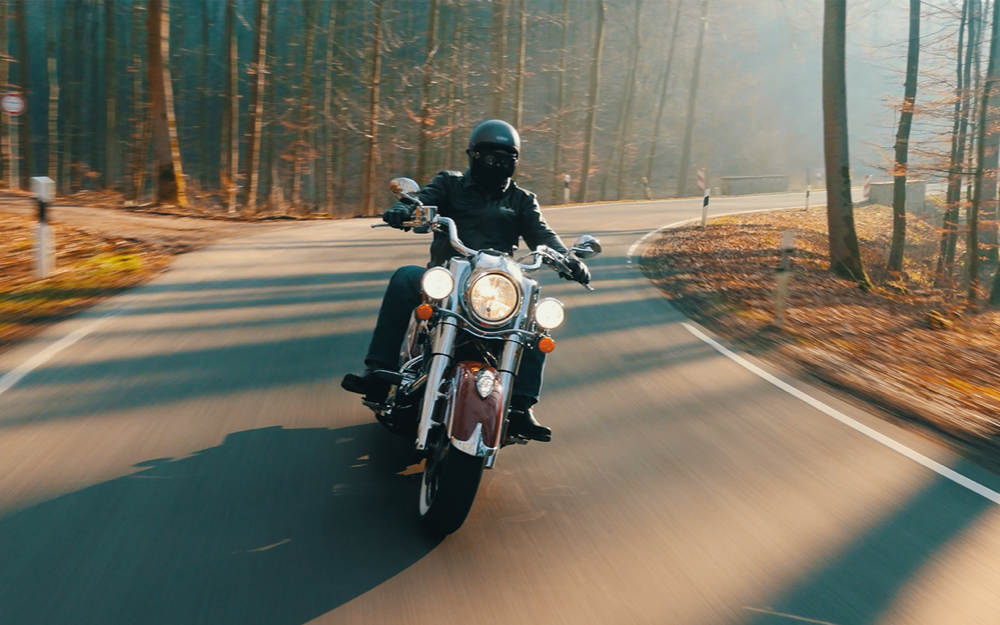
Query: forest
[308, 106]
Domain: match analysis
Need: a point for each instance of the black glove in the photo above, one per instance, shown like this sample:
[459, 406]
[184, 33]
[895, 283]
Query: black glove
[579, 271]
[396, 216]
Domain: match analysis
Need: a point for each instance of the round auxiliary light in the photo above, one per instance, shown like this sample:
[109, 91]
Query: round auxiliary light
[493, 297]
[437, 283]
[549, 314]
[546, 345]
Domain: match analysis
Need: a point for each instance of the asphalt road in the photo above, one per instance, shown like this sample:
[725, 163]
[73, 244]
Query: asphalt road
[192, 459]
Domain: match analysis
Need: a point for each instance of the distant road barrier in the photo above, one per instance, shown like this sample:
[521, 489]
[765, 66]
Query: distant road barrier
[748, 185]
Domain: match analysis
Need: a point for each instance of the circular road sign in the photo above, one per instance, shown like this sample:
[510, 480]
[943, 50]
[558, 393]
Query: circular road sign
[13, 103]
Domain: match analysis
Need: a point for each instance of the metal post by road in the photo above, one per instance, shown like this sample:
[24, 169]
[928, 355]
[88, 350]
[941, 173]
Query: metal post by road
[44, 190]
[566, 181]
[783, 276]
[704, 207]
[809, 189]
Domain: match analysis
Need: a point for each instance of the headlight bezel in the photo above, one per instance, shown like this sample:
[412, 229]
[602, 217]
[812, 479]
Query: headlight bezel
[430, 274]
[470, 307]
[546, 303]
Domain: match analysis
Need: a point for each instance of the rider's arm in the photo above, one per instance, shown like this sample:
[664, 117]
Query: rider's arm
[533, 227]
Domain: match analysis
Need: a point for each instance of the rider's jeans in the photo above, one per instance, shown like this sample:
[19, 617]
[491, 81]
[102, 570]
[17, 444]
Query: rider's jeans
[402, 296]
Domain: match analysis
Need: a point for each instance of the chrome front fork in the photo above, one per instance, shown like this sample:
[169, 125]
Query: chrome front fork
[444, 344]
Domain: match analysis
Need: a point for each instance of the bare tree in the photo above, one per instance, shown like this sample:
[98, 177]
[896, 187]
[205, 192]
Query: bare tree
[329, 149]
[498, 54]
[426, 120]
[903, 142]
[24, 123]
[665, 90]
[256, 118]
[110, 96]
[53, 77]
[166, 151]
[992, 78]
[230, 112]
[595, 87]
[522, 32]
[371, 159]
[682, 175]
[5, 147]
[560, 104]
[845, 253]
[305, 104]
[626, 129]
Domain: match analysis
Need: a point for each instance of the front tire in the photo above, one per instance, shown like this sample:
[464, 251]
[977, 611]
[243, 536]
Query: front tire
[449, 485]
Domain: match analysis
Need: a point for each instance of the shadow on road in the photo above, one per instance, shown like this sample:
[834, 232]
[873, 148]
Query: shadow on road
[272, 527]
[859, 585]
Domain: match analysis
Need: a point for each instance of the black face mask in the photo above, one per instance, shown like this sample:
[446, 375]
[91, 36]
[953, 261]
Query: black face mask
[491, 169]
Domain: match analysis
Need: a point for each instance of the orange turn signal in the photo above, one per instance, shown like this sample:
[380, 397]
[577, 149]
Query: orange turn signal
[425, 312]
[546, 344]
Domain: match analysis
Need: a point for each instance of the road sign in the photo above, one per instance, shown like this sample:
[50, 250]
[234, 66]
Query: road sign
[13, 104]
[701, 178]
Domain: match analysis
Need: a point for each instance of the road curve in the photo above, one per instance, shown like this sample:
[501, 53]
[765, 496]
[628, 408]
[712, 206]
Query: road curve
[184, 454]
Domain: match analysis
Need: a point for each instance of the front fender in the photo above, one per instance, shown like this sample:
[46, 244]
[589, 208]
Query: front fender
[475, 423]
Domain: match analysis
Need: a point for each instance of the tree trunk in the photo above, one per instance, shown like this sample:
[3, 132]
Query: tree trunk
[988, 207]
[230, 112]
[371, 158]
[423, 142]
[651, 158]
[256, 118]
[24, 120]
[626, 133]
[271, 132]
[452, 93]
[138, 121]
[991, 83]
[204, 161]
[328, 135]
[166, 151]
[53, 76]
[903, 142]
[954, 194]
[5, 88]
[305, 106]
[462, 89]
[498, 54]
[557, 140]
[845, 254]
[595, 87]
[692, 99]
[522, 32]
[111, 96]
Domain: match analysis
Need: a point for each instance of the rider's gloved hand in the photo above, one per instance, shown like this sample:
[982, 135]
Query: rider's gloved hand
[579, 271]
[396, 216]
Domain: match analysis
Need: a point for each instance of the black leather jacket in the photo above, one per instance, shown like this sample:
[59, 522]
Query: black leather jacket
[486, 221]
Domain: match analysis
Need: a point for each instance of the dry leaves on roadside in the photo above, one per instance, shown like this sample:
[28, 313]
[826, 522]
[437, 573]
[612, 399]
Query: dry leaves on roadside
[880, 344]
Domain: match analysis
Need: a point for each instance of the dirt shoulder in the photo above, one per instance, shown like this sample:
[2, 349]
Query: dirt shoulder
[99, 252]
[905, 347]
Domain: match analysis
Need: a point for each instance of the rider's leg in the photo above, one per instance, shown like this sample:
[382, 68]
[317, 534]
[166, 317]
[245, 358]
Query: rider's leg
[527, 389]
[401, 297]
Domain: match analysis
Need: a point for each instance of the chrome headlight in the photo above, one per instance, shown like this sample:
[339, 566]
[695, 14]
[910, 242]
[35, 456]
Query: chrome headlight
[549, 314]
[437, 283]
[493, 297]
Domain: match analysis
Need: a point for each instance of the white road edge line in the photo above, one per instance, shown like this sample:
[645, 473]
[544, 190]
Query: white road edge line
[873, 434]
[18, 373]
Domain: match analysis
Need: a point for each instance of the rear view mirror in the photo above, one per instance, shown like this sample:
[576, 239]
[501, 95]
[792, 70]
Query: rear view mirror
[403, 186]
[586, 247]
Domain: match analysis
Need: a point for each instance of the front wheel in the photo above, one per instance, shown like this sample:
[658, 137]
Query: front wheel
[450, 482]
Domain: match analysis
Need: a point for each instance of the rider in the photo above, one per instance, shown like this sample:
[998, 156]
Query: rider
[490, 212]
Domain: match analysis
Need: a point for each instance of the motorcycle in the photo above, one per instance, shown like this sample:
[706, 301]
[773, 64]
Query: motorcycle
[460, 357]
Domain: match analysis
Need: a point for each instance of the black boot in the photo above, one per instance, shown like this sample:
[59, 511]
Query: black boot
[521, 421]
[375, 389]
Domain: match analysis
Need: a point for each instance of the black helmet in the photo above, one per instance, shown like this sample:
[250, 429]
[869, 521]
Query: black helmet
[493, 151]
[495, 134]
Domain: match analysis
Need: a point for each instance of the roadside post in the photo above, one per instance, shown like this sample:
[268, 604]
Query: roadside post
[646, 191]
[45, 191]
[866, 189]
[13, 104]
[783, 276]
[707, 192]
[809, 189]
[566, 181]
